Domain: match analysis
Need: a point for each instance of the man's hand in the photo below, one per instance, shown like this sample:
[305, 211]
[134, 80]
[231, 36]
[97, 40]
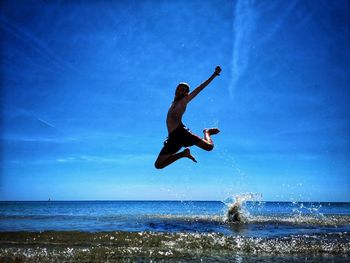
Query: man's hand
[217, 71]
[204, 84]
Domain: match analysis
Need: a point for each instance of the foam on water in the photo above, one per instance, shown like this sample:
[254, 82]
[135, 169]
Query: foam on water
[80, 246]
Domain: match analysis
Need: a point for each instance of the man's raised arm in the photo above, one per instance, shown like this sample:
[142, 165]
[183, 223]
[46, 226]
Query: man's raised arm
[195, 92]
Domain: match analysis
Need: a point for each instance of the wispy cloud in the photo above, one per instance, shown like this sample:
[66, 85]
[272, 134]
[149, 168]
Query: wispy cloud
[120, 159]
[246, 16]
[24, 138]
[37, 44]
[13, 111]
[22, 117]
[278, 23]
[46, 123]
[244, 24]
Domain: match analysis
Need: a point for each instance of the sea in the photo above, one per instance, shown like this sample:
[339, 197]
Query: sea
[173, 231]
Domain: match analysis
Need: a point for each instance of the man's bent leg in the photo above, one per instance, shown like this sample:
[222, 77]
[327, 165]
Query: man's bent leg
[207, 143]
[166, 159]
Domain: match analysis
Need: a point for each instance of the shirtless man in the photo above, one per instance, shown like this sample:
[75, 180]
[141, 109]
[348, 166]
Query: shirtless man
[179, 135]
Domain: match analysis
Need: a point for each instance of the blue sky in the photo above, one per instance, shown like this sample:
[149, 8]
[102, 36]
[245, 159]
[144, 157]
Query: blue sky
[86, 87]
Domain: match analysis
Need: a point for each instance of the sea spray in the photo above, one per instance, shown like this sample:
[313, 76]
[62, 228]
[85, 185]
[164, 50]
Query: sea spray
[236, 212]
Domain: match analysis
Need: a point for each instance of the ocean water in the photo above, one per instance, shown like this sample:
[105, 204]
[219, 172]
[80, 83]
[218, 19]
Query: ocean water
[129, 231]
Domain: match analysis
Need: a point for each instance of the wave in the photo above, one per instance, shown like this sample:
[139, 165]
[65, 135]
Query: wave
[312, 220]
[296, 219]
[80, 246]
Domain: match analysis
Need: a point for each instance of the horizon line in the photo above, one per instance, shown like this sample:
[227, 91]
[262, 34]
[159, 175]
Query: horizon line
[167, 200]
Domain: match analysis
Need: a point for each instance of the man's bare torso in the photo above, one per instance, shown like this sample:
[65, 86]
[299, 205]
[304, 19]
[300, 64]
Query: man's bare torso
[175, 113]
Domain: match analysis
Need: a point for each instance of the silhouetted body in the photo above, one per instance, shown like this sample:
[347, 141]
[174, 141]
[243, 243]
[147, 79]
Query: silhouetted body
[178, 134]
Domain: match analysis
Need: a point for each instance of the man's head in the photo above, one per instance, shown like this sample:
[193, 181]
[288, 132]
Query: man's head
[181, 91]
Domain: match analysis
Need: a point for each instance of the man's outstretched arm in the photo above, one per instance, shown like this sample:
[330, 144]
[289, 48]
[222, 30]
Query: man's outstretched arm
[195, 92]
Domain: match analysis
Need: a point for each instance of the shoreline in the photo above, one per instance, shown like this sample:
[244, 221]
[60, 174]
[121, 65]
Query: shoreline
[76, 246]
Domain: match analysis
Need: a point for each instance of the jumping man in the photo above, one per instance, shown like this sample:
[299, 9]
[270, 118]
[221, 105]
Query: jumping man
[178, 134]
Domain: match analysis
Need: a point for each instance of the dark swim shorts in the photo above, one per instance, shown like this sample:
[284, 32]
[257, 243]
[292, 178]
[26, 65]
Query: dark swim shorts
[180, 137]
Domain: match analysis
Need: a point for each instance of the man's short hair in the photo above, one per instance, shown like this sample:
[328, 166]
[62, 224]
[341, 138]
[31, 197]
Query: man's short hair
[184, 84]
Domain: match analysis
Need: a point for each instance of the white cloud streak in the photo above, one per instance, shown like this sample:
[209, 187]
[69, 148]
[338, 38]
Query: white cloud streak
[284, 13]
[46, 123]
[244, 23]
[40, 46]
[246, 17]
[120, 159]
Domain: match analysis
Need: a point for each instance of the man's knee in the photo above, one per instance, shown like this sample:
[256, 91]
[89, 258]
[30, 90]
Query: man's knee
[205, 145]
[210, 147]
[157, 165]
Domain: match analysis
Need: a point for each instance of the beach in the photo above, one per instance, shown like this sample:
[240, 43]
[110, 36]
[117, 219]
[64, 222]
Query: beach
[184, 247]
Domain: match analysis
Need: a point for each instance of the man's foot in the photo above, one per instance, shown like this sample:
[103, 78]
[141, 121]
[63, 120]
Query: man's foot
[187, 153]
[211, 131]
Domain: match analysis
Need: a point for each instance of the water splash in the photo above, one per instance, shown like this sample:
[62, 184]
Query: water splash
[236, 211]
[248, 197]
[300, 209]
